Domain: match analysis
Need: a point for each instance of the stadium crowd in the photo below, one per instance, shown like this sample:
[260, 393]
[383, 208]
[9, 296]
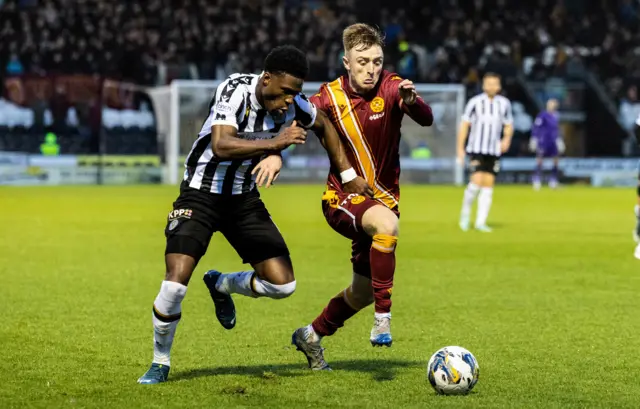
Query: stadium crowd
[440, 41]
[435, 41]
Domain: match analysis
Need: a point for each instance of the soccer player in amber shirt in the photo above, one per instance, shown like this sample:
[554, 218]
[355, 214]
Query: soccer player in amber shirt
[366, 107]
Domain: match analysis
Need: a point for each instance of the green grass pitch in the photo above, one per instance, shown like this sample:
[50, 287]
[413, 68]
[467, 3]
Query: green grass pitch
[548, 303]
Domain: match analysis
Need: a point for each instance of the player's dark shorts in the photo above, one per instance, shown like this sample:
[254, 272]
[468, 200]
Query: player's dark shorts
[343, 212]
[242, 219]
[484, 163]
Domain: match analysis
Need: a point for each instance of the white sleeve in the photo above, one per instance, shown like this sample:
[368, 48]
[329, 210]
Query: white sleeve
[638, 120]
[229, 104]
[305, 111]
[469, 110]
[507, 118]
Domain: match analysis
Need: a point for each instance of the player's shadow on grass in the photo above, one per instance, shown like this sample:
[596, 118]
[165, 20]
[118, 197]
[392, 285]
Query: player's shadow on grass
[379, 369]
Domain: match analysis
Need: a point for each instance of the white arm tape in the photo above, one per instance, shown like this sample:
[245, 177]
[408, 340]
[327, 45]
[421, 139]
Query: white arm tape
[348, 175]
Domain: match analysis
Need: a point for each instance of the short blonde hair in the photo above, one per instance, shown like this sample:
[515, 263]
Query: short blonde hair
[362, 36]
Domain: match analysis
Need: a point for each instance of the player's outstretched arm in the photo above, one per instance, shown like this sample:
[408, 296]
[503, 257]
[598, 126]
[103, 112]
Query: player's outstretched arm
[413, 105]
[227, 146]
[331, 142]
[507, 129]
[507, 134]
[461, 139]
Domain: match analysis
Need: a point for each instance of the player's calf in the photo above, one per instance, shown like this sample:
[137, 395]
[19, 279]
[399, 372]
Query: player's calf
[537, 176]
[249, 284]
[166, 315]
[271, 278]
[382, 225]
[470, 193]
[342, 307]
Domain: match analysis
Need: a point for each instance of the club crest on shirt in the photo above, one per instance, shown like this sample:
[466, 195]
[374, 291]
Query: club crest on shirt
[377, 105]
[357, 199]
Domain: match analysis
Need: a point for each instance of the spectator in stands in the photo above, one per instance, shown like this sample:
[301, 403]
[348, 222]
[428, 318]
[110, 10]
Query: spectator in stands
[14, 66]
[441, 41]
[628, 112]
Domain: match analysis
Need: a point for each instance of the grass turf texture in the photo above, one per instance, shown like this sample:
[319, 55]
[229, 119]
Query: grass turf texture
[547, 303]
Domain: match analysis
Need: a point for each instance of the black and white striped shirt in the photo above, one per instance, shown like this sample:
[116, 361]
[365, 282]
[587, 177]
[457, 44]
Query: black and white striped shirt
[487, 118]
[235, 104]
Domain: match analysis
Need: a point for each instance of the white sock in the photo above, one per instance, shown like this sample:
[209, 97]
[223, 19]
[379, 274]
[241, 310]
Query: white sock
[378, 315]
[470, 194]
[484, 205]
[250, 285]
[167, 312]
[312, 335]
[636, 210]
[236, 283]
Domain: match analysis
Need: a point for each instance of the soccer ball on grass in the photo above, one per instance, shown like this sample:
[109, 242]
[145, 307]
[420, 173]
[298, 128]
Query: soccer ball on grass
[453, 370]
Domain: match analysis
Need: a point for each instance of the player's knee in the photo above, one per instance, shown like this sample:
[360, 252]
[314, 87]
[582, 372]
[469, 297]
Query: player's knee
[278, 291]
[387, 225]
[172, 290]
[380, 220]
[179, 268]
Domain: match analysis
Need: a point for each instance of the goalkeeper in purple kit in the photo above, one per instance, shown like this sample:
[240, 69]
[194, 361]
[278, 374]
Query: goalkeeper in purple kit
[547, 143]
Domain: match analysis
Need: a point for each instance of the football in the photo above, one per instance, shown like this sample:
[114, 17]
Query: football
[453, 370]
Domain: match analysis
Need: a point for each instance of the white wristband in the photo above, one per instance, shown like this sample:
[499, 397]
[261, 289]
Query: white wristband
[348, 175]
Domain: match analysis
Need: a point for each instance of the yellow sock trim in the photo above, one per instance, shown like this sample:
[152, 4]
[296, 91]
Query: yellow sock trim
[384, 243]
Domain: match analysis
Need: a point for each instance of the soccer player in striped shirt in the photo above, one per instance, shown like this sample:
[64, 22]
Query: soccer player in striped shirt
[489, 116]
[251, 116]
[366, 106]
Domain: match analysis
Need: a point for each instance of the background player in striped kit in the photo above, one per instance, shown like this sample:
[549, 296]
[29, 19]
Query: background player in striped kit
[219, 193]
[489, 116]
[546, 142]
[366, 106]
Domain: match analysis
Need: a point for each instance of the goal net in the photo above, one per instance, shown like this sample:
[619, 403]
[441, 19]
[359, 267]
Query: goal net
[427, 155]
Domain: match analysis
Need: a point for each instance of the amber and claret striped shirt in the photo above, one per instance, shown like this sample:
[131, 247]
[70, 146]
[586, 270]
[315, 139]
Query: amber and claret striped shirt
[369, 126]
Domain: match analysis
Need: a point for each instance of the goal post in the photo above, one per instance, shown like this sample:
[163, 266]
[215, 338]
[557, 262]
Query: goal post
[427, 154]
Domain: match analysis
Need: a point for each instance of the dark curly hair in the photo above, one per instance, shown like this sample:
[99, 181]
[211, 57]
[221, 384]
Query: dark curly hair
[287, 59]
